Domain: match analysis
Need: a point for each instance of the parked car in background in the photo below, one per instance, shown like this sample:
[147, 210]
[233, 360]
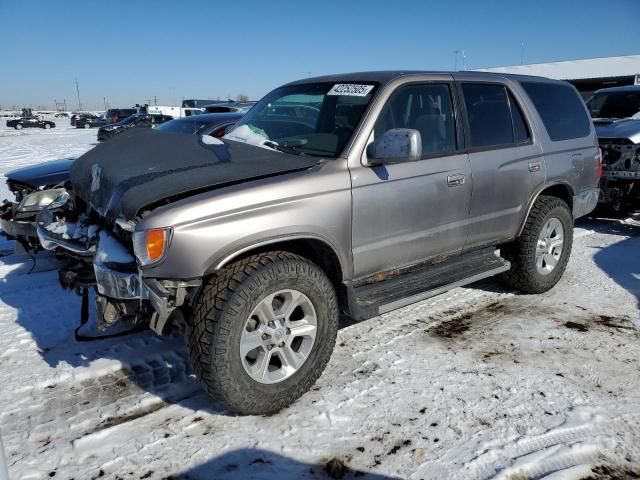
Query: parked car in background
[405, 186]
[229, 107]
[115, 115]
[8, 114]
[90, 121]
[616, 116]
[30, 122]
[62, 115]
[212, 124]
[37, 186]
[140, 120]
[34, 188]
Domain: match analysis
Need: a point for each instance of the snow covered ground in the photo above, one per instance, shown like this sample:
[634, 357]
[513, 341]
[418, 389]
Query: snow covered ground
[479, 383]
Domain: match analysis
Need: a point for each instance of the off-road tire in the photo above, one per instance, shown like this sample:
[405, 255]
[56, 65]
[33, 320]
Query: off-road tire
[523, 274]
[219, 316]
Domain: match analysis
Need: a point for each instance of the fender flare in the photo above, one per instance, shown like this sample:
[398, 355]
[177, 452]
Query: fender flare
[228, 257]
[570, 190]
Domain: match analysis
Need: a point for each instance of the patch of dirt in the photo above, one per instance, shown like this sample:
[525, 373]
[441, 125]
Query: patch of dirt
[576, 326]
[462, 322]
[398, 446]
[613, 322]
[613, 472]
[336, 468]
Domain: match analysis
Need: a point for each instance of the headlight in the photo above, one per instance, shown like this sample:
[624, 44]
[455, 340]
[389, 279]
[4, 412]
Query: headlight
[151, 245]
[56, 197]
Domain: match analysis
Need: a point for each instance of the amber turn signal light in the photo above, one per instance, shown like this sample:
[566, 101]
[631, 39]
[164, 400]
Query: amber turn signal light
[156, 240]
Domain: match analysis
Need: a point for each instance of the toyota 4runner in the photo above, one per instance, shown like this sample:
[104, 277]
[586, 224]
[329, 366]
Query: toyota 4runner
[354, 194]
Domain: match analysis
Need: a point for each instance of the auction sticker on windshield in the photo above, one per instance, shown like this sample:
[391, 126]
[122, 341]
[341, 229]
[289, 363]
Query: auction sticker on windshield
[350, 89]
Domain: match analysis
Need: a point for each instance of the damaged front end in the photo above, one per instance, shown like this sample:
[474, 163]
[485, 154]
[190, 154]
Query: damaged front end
[17, 218]
[99, 255]
[621, 173]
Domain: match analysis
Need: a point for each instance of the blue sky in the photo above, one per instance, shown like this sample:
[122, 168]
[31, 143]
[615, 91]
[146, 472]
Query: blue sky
[129, 51]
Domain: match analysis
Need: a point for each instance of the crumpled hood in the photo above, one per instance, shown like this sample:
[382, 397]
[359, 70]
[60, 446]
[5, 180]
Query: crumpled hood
[47, 173]
[143, 166]
[622, 128]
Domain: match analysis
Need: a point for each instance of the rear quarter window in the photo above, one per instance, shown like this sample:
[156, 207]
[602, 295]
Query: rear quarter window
[561, 109]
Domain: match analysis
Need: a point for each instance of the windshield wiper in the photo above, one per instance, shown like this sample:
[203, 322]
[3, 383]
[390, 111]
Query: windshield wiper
[283, 148]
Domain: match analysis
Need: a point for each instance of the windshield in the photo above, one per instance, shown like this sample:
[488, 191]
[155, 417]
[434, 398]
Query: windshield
[191, 126]
[619, 104]
[311, 119]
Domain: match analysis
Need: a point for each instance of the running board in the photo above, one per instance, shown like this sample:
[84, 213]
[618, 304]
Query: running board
[372, 299]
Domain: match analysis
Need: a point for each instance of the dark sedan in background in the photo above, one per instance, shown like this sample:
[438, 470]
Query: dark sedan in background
[139, 120]
[40, 185]
[90, 121]
[30, 122]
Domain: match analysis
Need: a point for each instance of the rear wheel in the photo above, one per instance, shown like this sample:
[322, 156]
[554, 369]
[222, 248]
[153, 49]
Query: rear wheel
[539, 256]
[86, 125]
[262, 331]
[18, 126]
[47, 126]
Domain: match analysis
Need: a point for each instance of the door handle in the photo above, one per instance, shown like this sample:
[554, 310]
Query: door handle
[535, 166]
[455, 180]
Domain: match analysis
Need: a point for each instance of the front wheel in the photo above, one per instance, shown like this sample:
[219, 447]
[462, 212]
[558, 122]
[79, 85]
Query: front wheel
[47, 126]
[262, 331]
[539, 256]
[86, 125]
[18, 126]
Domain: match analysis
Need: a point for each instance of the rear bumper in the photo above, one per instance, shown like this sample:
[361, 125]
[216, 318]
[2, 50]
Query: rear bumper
[585, 202]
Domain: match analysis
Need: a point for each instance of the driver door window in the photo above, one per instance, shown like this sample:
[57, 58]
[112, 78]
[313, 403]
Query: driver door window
[427, 108]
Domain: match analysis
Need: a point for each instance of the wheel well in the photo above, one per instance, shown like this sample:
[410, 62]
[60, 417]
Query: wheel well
[314, 250]
[561, 191]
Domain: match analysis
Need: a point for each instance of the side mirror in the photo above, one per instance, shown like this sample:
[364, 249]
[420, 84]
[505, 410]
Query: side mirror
[395, 146]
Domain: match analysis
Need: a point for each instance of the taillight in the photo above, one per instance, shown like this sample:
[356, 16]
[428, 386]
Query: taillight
[599, 158]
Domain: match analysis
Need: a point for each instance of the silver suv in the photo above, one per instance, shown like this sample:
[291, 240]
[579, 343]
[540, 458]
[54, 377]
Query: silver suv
[350, 194]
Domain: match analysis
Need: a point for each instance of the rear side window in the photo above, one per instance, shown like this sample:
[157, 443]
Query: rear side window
[561, 109]
[489, 115]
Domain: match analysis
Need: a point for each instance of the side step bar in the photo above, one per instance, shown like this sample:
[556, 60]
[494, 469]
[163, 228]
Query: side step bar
[425, 281]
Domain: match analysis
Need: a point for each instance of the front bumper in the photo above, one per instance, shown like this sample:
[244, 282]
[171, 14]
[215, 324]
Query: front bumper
[119, 286]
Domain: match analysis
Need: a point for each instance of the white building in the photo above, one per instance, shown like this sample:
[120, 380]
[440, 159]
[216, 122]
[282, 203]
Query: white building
[587, 75]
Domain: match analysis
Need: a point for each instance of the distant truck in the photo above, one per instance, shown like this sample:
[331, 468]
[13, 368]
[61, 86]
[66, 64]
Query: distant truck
[175, 112]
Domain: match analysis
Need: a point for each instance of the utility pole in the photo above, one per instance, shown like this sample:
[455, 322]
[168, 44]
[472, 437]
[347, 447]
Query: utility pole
[155, 100]
[522, 53]
[455, 60]
[464, 61]
[78, 91]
